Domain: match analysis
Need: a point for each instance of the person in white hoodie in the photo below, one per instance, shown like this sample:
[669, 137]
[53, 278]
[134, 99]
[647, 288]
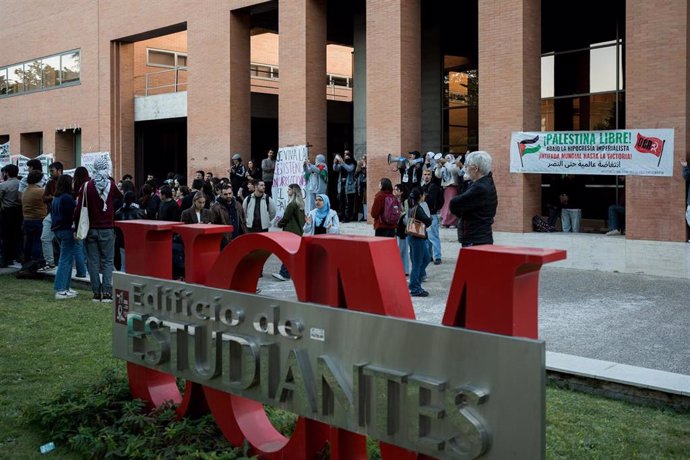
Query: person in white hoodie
[259, 209]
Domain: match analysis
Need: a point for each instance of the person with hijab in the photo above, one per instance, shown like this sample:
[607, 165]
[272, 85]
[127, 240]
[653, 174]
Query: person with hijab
[101, 193]
[292, 221]
[322, 219]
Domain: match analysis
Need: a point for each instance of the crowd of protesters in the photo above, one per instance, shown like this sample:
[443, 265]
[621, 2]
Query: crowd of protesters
[44, 211]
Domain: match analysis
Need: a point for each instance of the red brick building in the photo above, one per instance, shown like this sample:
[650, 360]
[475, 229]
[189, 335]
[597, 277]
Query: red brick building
[422, 76]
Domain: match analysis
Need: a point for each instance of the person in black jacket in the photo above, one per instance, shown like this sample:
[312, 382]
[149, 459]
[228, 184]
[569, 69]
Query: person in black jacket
[419, 252]
[476, 207]
[129, 211]
[435, 200]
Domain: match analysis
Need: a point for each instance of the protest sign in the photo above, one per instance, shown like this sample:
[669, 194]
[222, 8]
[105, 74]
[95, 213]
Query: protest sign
[289, 170]
[634, 152]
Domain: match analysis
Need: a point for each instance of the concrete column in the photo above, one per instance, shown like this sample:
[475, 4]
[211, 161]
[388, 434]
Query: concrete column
[432, 79]
[393, 86]
[509, 100]
[359, 90]
[655, 206]
[240, 85]
[302, 58]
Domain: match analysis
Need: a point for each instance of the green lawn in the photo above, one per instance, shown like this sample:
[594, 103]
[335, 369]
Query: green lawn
[46, 345]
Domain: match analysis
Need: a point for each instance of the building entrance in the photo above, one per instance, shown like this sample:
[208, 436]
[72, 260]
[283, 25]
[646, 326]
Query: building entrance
[161, 147]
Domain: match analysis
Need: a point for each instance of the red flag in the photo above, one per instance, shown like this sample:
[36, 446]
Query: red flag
[652, 145]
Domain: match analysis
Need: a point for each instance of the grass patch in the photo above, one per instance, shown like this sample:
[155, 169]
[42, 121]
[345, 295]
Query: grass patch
[47, 347]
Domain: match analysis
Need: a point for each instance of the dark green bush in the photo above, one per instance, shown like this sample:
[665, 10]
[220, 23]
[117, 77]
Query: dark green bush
[100, 420]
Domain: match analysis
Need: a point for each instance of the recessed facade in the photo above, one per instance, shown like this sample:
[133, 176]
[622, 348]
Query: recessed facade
[174, 86]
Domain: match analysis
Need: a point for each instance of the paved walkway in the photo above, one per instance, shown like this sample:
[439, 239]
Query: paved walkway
[622, 327]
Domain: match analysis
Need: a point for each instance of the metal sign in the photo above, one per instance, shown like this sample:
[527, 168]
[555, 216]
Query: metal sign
[442, 391]
[439, 390]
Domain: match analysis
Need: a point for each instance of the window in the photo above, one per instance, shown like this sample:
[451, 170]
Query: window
[45, 73]
[336, 80]
[14, 79]
[51, 71]
[460, 109]
[261, 71]
[69, 66]
[162, 58]
[3, 81]
[33, 75]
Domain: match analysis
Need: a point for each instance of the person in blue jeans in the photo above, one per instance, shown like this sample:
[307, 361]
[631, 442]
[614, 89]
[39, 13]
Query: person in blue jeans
[62, 220]
[292, 221]
[419, 251]
[101, 194]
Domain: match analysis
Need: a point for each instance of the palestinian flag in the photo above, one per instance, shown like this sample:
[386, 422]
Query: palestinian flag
[652, 145]
[525, 150]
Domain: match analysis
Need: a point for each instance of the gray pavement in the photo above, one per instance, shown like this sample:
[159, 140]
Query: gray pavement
[597, 323]
[632, 319]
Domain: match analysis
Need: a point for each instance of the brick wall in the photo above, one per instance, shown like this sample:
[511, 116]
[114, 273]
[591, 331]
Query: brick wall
[509, 100]
[656, 95]
[393, 76]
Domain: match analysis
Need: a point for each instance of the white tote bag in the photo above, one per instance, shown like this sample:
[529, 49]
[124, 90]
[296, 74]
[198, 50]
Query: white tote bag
[83, 225]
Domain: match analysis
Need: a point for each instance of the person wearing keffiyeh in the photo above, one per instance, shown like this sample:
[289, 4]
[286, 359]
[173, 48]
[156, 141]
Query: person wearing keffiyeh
[100, 192]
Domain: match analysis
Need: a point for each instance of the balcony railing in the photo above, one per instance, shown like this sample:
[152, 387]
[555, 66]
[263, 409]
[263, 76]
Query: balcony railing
[264, 77]
[165, 81]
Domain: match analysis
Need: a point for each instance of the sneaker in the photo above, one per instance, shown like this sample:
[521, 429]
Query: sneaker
[96, 297]
[437, 262]
[280, 277]
[73, 292]
[61, 295]
[106, 297]
[46, 268]
[613, 233]
[16, 265]
[421, 293]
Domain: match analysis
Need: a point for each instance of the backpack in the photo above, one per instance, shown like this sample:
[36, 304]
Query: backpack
[392, 209]
[540, 225]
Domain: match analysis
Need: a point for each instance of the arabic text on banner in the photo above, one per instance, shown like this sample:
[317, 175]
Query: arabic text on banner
[629, 152]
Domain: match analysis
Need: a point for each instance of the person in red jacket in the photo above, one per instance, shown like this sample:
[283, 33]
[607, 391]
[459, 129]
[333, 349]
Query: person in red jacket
[101, 193]
[381, 227]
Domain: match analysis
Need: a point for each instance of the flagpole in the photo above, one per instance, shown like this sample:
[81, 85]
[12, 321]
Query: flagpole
[662, 152]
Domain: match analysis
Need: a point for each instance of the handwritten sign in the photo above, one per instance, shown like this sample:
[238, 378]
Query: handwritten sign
[289, 170]
[630, 152]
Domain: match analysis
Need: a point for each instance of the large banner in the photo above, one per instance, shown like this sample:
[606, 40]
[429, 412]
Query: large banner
[627, 152]
[20, 160]
[289, 170]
